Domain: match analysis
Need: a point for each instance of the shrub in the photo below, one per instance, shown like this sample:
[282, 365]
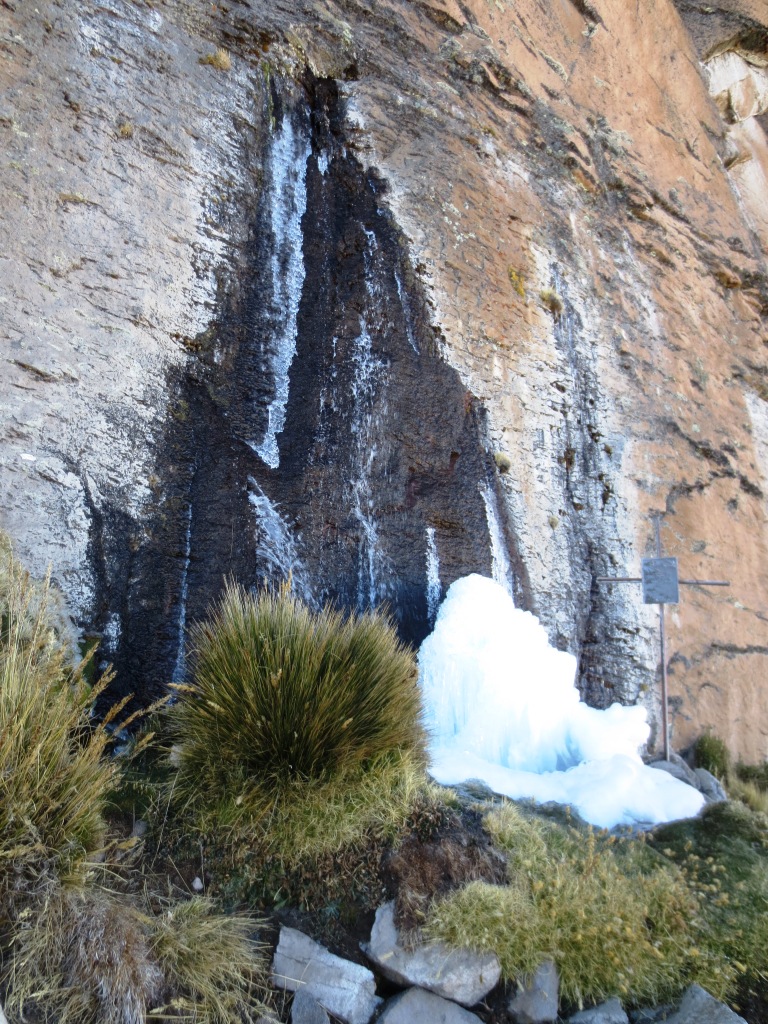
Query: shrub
[298, 722]
[615, 919]
[710, 752]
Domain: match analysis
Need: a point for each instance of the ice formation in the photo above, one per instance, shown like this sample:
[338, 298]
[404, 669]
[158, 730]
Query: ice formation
[287, 175]
[501, 706]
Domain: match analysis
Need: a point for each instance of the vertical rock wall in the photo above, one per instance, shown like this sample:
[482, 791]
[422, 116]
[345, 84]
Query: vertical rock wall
[411, 290]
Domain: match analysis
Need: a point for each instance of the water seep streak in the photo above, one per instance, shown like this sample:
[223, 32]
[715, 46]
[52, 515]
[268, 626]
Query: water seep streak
[501, 569]
[287, 202]
[276, 546]
[434, 588]
[368, 378]
[180, 665]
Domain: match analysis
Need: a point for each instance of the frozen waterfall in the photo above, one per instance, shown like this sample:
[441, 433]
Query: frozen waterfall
[501, 706]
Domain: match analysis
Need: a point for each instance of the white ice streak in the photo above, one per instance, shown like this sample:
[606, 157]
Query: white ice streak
[501, 706]
[286, 202]
[406, 308]
[276, 546]
[367, 372]
[180, 665]
[112, 632]
[433, 577]
[501, 570]
[367, 379]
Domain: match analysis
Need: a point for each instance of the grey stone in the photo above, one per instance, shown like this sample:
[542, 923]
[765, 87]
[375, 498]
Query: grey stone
[650, 1014]
[699, 1007]
[306, 1009]
[610, 1012]
[678, 769]
[537, 1002]
[457, 974]
[3, 1018]
[419, 1007]
[710, 787]
[345, 989]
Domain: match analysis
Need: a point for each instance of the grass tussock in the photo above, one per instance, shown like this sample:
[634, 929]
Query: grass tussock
[612, 915]
[220, 60]
[54, 782]
[213, 967]
[305, 726]
[552, 301]
[81, 956]
[748, 792]
[87, 955]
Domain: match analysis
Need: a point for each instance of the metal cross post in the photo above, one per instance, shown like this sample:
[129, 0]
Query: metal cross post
[660, 586]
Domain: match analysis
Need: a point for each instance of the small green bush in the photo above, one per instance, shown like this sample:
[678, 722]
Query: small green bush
[305, 725]
[615, 919]
[710, 752]
[749, 793]
[755, 773]
[723, 855]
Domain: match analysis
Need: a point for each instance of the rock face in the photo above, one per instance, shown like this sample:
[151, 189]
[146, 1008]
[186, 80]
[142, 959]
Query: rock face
[414, 289]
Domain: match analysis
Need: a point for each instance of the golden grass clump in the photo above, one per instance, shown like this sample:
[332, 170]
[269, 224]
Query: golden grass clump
[213, 967]
[613, 917]
[90, 956]
[83, 956]
[304, 724]
[54, 783]
[553, 301]
[219, 60]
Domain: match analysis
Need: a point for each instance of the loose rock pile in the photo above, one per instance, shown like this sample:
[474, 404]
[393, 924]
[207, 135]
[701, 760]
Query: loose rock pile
[440, 984]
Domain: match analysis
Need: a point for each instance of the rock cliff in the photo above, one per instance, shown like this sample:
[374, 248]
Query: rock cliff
[385, 293]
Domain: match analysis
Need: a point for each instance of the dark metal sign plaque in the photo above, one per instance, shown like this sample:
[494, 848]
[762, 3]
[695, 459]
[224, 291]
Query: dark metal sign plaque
[660, 582]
